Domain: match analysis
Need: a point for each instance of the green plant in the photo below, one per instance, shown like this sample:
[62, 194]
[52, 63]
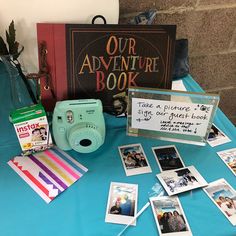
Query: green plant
[10, 51]
[13, 48]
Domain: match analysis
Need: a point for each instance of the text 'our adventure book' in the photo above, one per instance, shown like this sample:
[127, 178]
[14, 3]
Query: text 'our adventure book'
[102, 61]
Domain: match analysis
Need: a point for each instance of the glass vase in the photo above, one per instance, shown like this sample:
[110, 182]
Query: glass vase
[19, 95]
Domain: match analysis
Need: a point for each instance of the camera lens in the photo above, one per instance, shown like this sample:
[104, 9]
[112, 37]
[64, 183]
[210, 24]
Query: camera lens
[85, 142]
[84, 138]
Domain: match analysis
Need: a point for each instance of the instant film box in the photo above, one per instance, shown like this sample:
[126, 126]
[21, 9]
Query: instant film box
[32, 128]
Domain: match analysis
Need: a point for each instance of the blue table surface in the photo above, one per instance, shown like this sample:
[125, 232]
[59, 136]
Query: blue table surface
[80, 210]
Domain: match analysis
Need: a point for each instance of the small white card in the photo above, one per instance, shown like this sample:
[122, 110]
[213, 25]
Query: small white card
[168, 157]
[224, 197]
[217, 137]
[134, 159]
[122, 203]
[169, 216]
[181, 180]
[229, 158]
[178, 85]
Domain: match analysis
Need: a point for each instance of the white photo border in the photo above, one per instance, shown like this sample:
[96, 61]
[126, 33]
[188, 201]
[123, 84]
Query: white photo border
[222, 180]
[202, 182]
[184, 233]
[219, 141]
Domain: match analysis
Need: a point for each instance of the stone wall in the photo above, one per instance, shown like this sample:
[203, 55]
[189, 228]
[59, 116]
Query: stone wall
[210, 26]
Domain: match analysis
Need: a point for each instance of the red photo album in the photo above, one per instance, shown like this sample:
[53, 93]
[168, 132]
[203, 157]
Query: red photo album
[102, 61]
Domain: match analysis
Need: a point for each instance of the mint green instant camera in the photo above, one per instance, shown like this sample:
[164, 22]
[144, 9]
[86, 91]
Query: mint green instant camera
[79, 125]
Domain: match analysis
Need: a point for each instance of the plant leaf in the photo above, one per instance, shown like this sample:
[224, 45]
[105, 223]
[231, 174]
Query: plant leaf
[3, 47]
[11, 39]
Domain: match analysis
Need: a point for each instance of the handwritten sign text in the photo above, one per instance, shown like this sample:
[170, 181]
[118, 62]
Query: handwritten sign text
[170, 116]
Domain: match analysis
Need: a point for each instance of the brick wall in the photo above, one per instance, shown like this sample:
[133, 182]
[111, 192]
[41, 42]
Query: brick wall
[210, 26]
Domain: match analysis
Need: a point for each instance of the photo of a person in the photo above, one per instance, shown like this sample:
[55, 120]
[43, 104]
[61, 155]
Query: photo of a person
[230, 200]
[180, 223]
[172, 222]
[120, 104]
[126, 206]
[43, 133]
[116, 209]
[129, 160]
[140, 160]
[164, 222]
[36, 136]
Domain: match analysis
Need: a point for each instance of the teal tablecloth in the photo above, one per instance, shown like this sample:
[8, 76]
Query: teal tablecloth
[80, 210]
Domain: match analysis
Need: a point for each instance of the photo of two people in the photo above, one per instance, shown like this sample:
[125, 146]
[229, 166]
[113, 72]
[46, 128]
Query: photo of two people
[122, 203]
[224, 197]
[39, 134]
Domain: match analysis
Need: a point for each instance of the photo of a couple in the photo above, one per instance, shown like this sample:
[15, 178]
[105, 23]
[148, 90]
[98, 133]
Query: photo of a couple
[224, 197]
[39, 134]
[122, 203]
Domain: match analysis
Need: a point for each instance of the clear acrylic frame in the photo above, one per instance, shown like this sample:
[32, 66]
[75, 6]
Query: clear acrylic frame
[171, 115]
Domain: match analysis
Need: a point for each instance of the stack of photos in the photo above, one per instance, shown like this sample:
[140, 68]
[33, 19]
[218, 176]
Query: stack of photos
[217, 137]
[181, 180]
[229, 158]
[134, 159]
[224, 197]
[122, 203]
[167, 158]
[169, 216]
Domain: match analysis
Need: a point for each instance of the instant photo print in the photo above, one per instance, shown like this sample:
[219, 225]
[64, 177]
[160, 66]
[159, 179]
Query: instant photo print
[122, 203]
[169, 216]
[217, 137]
[167, 157]
[181, 180]
[229, 158]
[224, 197]
[134, 159]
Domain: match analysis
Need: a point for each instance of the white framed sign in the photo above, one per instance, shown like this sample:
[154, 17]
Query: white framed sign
[171, 115]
